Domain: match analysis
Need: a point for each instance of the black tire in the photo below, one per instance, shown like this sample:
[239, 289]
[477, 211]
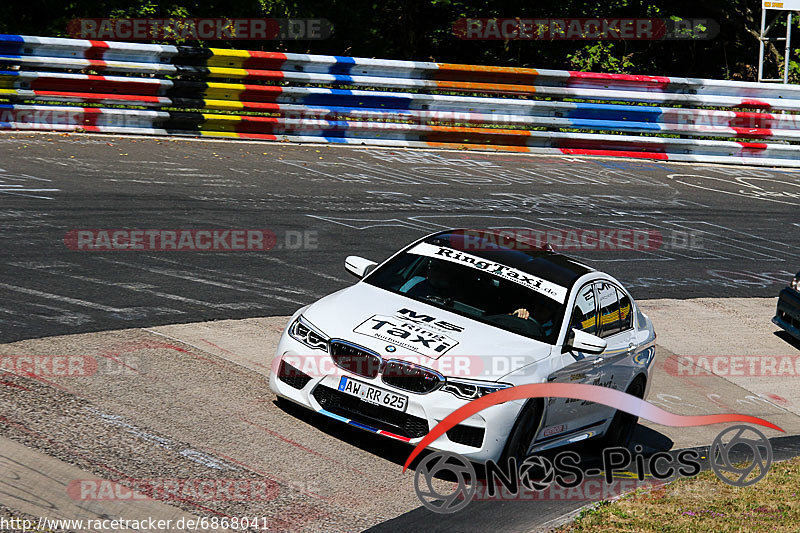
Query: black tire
[523, 432]
[621, 429]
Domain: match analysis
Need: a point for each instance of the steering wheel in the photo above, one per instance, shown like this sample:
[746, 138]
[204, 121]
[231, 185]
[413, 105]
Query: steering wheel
[513, 322]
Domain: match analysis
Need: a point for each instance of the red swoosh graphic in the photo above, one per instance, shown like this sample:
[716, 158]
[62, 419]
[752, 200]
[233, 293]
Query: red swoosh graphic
[593, 393]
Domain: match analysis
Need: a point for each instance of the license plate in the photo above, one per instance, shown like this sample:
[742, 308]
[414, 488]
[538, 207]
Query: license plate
[372, 394]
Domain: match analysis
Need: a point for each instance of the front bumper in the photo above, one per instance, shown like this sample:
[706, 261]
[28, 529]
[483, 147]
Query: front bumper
[787, 315]
[479, 438]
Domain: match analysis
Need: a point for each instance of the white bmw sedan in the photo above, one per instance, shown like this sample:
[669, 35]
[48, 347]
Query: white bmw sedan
[457, 315]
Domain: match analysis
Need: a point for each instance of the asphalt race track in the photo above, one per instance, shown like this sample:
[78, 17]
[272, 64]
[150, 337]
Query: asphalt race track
[183, 340]
[724, 230]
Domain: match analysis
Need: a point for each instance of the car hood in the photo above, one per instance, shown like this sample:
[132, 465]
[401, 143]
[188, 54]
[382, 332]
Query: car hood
[396, 327]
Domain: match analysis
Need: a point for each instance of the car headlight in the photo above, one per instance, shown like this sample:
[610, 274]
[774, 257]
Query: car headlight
[302, 330]
[795, 284]
[471, 390]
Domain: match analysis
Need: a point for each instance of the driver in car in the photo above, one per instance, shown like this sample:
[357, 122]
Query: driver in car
[439, 283]
[521, 313]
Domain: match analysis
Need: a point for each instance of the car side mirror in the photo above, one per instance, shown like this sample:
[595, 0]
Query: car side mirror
[580, 341]
[358, 266]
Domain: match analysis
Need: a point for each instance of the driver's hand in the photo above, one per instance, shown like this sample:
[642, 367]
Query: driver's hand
[521, 313]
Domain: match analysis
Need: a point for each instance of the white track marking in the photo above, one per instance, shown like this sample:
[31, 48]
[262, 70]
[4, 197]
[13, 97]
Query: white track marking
[369, 223]
[27, 193]
[718, 242]
[13, 184]
[189, 276]
[74, 301]
[149, 289]
[305, 269]
[67, 317]
[727, 181]
[267, 284]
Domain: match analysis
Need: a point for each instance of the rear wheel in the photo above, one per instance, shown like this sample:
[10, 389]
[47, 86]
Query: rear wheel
[621, 429]
[522, 434]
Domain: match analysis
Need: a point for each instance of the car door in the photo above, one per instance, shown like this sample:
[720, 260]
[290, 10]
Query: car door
[616, 328]
[564, 415]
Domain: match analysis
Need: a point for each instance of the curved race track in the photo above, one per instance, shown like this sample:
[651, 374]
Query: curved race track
[174, 396]
[726, 231]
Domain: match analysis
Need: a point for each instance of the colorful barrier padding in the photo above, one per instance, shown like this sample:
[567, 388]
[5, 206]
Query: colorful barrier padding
[55, 84]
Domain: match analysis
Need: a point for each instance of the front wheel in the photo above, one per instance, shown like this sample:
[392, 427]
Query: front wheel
[621, 429]
[524, 431]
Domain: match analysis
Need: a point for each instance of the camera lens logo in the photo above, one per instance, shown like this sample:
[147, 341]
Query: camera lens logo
[724, 459]
[536, 473]
[449, 465]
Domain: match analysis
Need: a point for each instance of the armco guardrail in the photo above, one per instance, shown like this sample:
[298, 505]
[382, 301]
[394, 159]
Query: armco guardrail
[175, 90]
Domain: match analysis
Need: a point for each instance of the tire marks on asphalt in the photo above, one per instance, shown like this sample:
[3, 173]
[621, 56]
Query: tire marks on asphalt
[195, 403]
[390, 195]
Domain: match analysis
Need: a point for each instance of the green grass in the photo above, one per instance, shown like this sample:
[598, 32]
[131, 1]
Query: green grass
[703, 503]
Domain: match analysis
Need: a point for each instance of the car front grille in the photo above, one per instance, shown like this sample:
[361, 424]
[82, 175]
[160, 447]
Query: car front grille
[412, 378]
[467, 435]
[292, 376]
[375, 416]
[355, 359]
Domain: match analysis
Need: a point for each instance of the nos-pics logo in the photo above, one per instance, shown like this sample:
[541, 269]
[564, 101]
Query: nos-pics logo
[446, 482]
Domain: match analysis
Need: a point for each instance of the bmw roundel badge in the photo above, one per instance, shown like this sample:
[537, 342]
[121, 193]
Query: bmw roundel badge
[390, 349]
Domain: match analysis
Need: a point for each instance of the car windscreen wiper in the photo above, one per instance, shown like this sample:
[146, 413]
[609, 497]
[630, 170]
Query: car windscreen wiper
[438, 300]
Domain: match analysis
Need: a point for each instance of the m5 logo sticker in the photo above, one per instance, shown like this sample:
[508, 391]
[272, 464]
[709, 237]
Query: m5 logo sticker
[406, 334]
[412, 316]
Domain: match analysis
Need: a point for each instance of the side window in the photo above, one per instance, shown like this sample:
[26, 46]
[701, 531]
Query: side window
[584, 315]
[625, 311]
[609, 309]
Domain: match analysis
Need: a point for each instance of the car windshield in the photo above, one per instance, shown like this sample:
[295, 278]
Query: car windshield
[472, 292]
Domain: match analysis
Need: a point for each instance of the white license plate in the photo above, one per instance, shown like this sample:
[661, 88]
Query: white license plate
[373, 395]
